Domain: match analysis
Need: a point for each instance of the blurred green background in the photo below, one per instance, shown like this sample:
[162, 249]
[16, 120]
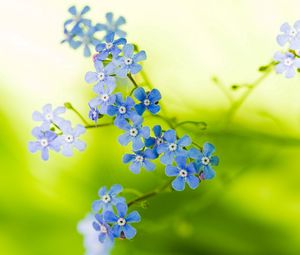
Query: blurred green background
[251, 207]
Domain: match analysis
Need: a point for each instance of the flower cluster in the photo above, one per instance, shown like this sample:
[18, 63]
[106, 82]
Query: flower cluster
[111, 218]
[80, 31]
[55, 133]
[288, 60]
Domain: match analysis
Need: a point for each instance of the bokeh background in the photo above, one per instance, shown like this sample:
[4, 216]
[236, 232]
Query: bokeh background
[251, 207]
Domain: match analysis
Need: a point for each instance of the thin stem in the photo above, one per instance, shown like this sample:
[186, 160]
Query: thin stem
[99, 125]
[132, 80]
[70, 107]
[167, 120]
[150, 194]
[146, 79]
[190, 122]
[223, 88]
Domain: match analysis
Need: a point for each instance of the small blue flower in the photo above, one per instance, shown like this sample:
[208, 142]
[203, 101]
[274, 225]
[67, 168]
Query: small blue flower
[77, 17]
[109, 47]
[87, 38]
[70, 39]
[148, 100]
[123, 109]
[105, 230]
[45, 140]
[173, 147]
[112, 26]
[287, 63]
[185, 173]
[154, 142]
[94, 113]
[102, 76]
[104, 99]
[140, 159]
[134, 133]
[290, 35]
[129, 62]
[108, 198]
[69, 138]
[121, 221]
[49, 115]
[204, 160]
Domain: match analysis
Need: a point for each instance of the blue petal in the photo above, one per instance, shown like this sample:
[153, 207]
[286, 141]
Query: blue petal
[117, 230]
[208, 172]
[124, 139]
[96, 226]
[137, 144]
[184, 141]
[97, 205]
[112, 110]
[149, 165]
[214, 160]
[79, 145]
[115, 189]
[157, 131]
[122, 209]
[179, 183]
[128, 50]
[109, 38]
[34, 146]
[133, 217]
[170, 136]
[167, 158]
[140, 94]
[195, 153]
[192, 181]
[72, 10]
[140, 108]
[153, 108]
[181, 162]
[154, 95]
[85, 10]
[128, 158]
[140, 56]
[110, 217]
[149, 154]
[135, 68]
[120, 21]
[86, 51]
[150, 141]
[162, 148]
[208, 149]
[37, 116]
[129, 231]
[145, 132]
[172, 170]
[135, 167]
[102, 191]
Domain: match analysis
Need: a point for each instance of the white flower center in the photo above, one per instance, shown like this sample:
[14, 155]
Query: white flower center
[103, 229]
[293, 32]
[205, 160]
[108, 45]
[159, 140]
[183, 173]
[122, 110]
[101, 76]
[139, 158]
[105, 97]
[49, 116]
[128, 61]
[133, 132]
[44, 142]
[106, 198]
[288, 61]
[69, 138]
[173, 147]
[121, 222]
[147, 102]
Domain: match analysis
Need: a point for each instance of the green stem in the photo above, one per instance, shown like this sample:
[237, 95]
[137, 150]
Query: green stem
[99, 125]
[69, 106]
[132, 80]
[190, 122]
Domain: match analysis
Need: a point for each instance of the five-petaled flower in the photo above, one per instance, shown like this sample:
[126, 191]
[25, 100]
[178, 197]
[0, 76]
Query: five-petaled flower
[140, 159]
[46, 140]
[69, 138]
[290, 35]
[49, 116]
[129, 62]
[204, 160]
[154, 142]
[110, 46]
[122, 222]
[112, 26]
[103, 228]
[185, 173]
[94, 113]
[122, 109]
[287, 63]
[108, 198]
[77, 18]
[148, 100]
[173, 147]
[87, 38]
[104, 99]
[102, 76]
[134, 133]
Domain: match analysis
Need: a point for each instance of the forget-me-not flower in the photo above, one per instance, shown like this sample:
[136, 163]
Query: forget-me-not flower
[122, 221]
[108, 198]
[148, 100]
[140, 159]
[103, 228]
[154, 142]
[287, 63]
[205, 160]
[94, 113]
[104, 99]
[173, 147]
[185, 173]
[70, 39]
[290, 35]
[77, 16]
[129, 62]
[87, 38]
[113, 26]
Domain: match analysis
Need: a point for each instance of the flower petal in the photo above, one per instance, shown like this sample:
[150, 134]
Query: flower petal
[178, 184]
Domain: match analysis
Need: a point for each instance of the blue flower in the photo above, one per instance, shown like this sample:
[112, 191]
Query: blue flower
[101, 226]
[140, 159]
[49, 115]
[185, 173]
[173, 147]
[134, 133]
[154, 142]
[94, 113]
[108, 198]
[148, 100]
[290, 35]
[112, 26]
[121, 221]
[123, 109]
[109, 47]
[104, 99]
[287, 63]
[204, 160]
[45, 140]
[102, 76]
[69, 38]
[77, 17]
[69, 138]
[129, 62]
[87, 38]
